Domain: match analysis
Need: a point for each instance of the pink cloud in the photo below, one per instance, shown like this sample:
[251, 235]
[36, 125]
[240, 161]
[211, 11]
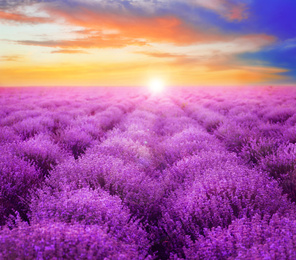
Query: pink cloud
[153, 28]
[229, 9]
[21, 18]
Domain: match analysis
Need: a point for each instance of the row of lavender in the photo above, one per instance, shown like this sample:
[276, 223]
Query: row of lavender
[258, 125]
[113, 174]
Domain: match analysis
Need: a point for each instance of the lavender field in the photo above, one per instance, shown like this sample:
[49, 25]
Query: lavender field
[112, 173]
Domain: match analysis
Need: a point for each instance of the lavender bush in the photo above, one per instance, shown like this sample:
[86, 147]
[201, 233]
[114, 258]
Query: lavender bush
[256, 238]
[17, 178]
[119, 173]
[55, 240]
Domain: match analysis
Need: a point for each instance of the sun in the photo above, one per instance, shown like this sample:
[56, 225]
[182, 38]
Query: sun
[156, 86]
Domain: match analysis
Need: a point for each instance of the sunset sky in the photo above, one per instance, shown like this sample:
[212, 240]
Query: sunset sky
[131, 42]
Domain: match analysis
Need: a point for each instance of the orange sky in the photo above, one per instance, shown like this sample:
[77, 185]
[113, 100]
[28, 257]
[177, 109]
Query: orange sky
[105, 43]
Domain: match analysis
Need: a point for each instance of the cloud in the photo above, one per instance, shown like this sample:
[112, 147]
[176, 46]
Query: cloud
[289, 44]
[7, 4]
[236, 12]
[11, 58]
[214, 52]
[251, 42]
[151, 28]
[97, 41]
[232, 10]
[21, 18]
[121, 23]
[65, 51]
[162, 55]
[229, 9]
[282, 54]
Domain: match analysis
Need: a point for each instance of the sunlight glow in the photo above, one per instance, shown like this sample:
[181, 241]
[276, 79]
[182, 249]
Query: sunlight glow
[156, 86]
